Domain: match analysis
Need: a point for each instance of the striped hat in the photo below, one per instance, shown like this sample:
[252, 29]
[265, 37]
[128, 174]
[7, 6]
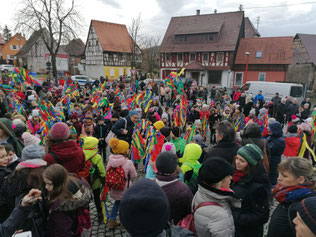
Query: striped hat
[252, 153]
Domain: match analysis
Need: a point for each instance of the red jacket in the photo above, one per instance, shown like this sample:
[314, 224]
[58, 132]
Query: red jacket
[69, 154]
[292, 146]
[236, 95]
[204, 114]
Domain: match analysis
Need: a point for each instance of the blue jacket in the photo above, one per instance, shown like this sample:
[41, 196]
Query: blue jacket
[259, 97]
[276, 141]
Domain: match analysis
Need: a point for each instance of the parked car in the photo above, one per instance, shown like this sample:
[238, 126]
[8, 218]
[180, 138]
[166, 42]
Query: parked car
[6, 68]
[82, 79]
[158, 81]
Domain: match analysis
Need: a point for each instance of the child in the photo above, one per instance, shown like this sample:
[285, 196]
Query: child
[88, 125]
[100, 132]
[13, 159]
[66, 196]
[119, 159]
[75, 123]
[4, 161]
[90, 149]
[33, 123]
[177, 140]
[77, 110]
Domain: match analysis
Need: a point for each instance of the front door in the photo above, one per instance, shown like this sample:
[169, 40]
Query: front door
[195, 76]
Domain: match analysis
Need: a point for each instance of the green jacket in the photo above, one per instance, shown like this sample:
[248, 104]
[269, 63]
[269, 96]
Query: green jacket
[96, 160]
[192, 153]
[179, 143]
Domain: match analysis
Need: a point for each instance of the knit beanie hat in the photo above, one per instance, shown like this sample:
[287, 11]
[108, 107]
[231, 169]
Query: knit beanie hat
[34, 163]
[159, 125]
[19, 129]
[295, 119]
[305, 127]
[252, 153]
[197, 122]
[29, 139]
[165, 131]
[59, 131]
[252, 111]
[74, 116]
[132, 113]
[176, 131]
[170, 147]
[166, 163]
[119, 146]
[32, 152]
[214, 169]
[164, 115]
[35, 112]
[144, 209]
[90, 143]
[292, 129]
[198, 139]
[307, 211]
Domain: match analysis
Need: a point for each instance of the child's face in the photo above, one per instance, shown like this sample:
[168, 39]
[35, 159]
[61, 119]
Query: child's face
[77, 107]
[101, 122]
[48, 185]
[36, 119]
[10, 156]
[73, 120]
[4, 159]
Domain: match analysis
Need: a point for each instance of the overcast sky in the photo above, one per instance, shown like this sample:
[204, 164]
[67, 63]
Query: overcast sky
[156, 14]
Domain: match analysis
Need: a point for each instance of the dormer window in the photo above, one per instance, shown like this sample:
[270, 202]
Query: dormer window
[182, 39]
[209, 37]
[258, 54]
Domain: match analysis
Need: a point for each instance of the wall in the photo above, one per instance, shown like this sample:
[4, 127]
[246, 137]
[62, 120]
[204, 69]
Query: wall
[93, 71]
[6, 50]
[271, 76]
[302, 73]
[116, 72]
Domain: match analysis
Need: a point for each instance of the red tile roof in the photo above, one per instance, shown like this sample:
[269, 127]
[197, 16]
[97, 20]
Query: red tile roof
[195, 66]
[275, 50]
[229, 25]
[309, 42]
[113, 37]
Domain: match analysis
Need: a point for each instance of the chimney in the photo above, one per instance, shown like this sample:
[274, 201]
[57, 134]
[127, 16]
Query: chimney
[198, 12]
[215, 11]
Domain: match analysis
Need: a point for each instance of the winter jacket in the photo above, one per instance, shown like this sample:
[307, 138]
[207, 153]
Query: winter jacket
[247, 108]
[96, 159]
[119, 126]
[259, 97]
[204, 114]
[6, 125]
[292, 145]
[192, 153]
[33, 128]
[236, 96]
[130, 173]
[179, 196]
[194, 115]
[179, 144]
[253, 190]
[252, 135]
[62, 217]
[4, 172]
[224, 149]
[214, 221]
[87, 130]
[280, 112]
[68, 154]
[276, 141]
[78, 127]
[101, 131]
[15, 220]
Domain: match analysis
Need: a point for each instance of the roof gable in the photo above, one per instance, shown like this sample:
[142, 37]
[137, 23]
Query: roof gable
[275, 50]
[75, 47]
[250, 30]
[309, 42]
[228, 25]
[112, 37]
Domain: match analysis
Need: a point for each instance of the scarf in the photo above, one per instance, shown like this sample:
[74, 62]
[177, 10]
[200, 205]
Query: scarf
[238, 175]
[292, 193]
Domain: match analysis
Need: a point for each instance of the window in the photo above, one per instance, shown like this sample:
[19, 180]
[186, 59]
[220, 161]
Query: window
[14, 47]
[180, 57]
[262, 76]
[168, 57]
[182, 39]
[192, 57]
[18, 38]
[238, 78]
[220, 57]
[96, 42]
[214, 77]
[296, 91]
[209, 37]
[258, 54]
[205, 57]
[112, 72]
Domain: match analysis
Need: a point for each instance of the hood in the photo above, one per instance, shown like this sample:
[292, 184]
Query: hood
[66, 150]
[292, 141]
[252, 130]
[90, 143]
[192, 153]
[116, 160]
[6, 125]
[80, 199]
[276, 129]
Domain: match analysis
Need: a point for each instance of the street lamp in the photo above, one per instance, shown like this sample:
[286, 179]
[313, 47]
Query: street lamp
[247, 54]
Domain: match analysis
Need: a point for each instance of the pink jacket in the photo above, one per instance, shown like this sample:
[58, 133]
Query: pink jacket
[129, 169]
[33, 128]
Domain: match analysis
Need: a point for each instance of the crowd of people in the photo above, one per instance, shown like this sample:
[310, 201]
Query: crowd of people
[176, 160]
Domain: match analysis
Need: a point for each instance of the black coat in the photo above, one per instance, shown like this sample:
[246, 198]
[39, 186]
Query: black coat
[194, 116]
[254, 191]
[120, 125]
[247, 108]
[224, 149]
[101, 131]
[280, 112]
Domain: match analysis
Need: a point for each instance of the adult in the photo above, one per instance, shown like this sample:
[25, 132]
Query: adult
[295, 183]
[213, 92]
[248, 106]
[251, 184]
[179, 195]
[123, 128]
[242, 100]
[276, 101]
[259, 96]
[276, 143]
[63, 150]
[226, 147]
[306, 112]
[281, 111]
[292, 110]
[307, 101]
[215, 219]
[7, 135]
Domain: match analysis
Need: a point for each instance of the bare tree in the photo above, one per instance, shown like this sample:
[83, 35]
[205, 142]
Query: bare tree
[150, 52]
[59, 19]
[134, 31]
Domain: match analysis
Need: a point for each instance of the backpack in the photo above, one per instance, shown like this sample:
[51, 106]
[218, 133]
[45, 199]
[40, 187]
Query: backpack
[115, 178]
[90, 171]
[112, 134]
[192, 180]
[84, 226]
[188, 221]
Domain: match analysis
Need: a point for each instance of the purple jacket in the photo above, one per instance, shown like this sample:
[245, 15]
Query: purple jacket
[179, 196]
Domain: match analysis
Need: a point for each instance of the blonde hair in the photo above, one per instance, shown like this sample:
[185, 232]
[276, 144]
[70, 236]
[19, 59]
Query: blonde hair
[2, 148]
[298, 167]
[248, 98]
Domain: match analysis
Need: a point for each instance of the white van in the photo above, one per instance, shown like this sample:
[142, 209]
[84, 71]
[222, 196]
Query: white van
[82, 79]
[270, 88]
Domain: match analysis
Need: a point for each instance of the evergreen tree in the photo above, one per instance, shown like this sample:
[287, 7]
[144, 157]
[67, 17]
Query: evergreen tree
[6, 33]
